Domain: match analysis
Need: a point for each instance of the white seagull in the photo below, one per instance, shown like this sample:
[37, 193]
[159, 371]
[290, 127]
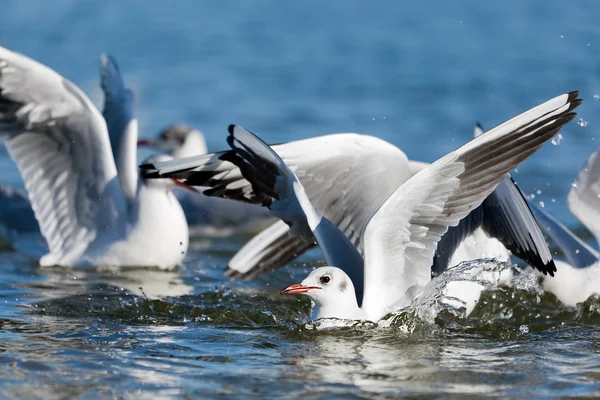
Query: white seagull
[348, 200]
[91, 211]
[206, 216]
[400, 238]
[579, 278]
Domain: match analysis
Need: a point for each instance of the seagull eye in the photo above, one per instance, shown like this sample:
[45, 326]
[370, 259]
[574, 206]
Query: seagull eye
[325, 279]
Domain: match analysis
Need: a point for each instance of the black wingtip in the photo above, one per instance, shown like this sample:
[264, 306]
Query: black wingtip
[147, 166]
[232, 274]
[550, 268]
[230, 129]
[573, 95]
[478, 125]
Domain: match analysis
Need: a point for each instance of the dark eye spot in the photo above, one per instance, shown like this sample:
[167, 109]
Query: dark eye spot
[343, 286]
[325, 279]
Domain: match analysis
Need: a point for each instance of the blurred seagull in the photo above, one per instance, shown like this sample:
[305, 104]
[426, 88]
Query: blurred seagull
[400, 238]
[91, 211]
[577, 280]
[348, 200]
[206, 216]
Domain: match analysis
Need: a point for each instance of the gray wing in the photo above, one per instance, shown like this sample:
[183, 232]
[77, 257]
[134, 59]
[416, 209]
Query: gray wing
[59, 142]
[579, 253]
[119, 103]
[270, 249]
[584, 196]
[507, 217]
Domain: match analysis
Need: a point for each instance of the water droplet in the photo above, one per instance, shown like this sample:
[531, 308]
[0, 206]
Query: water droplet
[524, 329]
[582, 122]
[596, 96]
[574, 185]
[557, 139]
[538, 191]
[542, 204]
[577, 251]
[562, 36]
[553, 200]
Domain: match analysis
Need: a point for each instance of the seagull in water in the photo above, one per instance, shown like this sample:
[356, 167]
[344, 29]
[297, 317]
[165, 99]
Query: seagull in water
[400, 238]
[502, 222]
[579, 278]
[206, 215]
[91, 211]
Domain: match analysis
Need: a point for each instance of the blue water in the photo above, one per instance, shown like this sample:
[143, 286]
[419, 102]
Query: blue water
[418, 74]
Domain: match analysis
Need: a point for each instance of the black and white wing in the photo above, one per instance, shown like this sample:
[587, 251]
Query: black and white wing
[341, 174]
[60, 144]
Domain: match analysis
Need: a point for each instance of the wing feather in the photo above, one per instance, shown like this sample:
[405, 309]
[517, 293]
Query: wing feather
[59, 142]
[401, 238]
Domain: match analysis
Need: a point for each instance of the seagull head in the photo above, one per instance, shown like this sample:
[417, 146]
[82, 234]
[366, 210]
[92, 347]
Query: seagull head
[151, 178]
[331, 291]
[178, 140]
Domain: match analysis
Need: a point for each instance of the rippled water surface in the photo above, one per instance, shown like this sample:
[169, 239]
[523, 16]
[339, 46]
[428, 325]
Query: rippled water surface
[416, 74]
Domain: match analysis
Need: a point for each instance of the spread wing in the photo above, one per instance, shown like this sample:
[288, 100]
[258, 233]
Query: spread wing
[60, 144]
[401, 238]
[119, 103]
[341, 174]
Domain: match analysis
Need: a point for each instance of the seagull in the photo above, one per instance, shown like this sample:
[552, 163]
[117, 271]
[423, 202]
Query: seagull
[579, 278]
[92, 211]
[206, 216]
[401, 236]
[349, 200]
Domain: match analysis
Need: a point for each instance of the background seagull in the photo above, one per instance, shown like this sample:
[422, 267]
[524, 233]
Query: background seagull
[88, 214]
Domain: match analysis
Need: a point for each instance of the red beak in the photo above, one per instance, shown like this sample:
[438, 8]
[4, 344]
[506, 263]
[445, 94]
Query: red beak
[146, 143]
[298, 288]
[183, 185]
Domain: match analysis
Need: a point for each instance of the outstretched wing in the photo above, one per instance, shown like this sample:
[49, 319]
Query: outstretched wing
[59, 142]
[346, 176]
[401, 238]
[119, 103]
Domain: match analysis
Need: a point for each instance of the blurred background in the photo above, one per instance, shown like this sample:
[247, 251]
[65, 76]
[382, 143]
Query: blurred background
[418, 74]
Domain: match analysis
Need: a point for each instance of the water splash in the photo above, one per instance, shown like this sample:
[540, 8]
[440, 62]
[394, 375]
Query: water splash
[557, 139]
[582, 122]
